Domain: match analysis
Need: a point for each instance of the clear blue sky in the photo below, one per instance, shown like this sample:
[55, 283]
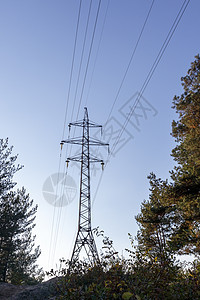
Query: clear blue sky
[37, 40]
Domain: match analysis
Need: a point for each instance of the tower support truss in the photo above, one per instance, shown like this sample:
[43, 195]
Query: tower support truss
[84, 238]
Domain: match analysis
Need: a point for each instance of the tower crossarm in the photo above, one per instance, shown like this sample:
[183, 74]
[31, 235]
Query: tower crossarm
[78, 158]
[82, 123]
[79, 141]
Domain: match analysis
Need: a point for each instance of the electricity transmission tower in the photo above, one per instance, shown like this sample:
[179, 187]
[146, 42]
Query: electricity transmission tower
[84, 238]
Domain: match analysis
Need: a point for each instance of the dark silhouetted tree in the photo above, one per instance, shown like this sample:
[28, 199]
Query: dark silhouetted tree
[17, 214]
[156, 223]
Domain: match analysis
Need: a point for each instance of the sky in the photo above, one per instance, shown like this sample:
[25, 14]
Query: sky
[41, 93]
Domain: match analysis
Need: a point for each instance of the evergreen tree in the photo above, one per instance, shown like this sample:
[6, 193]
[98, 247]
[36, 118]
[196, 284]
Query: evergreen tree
[156, 223]
[186, 175]
[7, 167]
[169, 222]
[17, 215]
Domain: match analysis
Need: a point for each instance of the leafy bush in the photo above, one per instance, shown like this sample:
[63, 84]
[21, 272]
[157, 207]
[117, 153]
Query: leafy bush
[137, 277]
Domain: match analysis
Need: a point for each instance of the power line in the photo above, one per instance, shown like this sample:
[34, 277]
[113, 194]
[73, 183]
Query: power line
[59, 218]
[147, 80]
[81, 61]
[121, 84]
[131, 59]
[72, 67]
[88, 60]
[101, 35]
[65, 118]
[87, 65]
[80, 67]
[54, 211]
[153, 68]
[57, 226]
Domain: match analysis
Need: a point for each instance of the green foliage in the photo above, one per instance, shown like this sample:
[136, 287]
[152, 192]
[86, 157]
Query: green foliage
[17, 215]
[186, 175]
[136, 277]
[169, 221]
[156, 222]
[108, 280]
[95, 284]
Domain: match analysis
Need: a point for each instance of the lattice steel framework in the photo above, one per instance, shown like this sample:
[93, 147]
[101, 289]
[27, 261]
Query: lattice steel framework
[84, 238]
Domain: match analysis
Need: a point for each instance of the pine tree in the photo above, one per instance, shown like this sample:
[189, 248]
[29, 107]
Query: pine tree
[156, 223]
[7, 167]
[169, 222]
[186, 175]
[17, 214]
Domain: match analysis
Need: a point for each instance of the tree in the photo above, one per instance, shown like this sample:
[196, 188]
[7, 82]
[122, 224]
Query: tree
[156, 223]
[186, 175]
[169, 222]
[17, 215]
[7, 167]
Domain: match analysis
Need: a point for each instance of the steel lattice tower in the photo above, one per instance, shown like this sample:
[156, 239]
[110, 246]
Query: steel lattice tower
[84, 238]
